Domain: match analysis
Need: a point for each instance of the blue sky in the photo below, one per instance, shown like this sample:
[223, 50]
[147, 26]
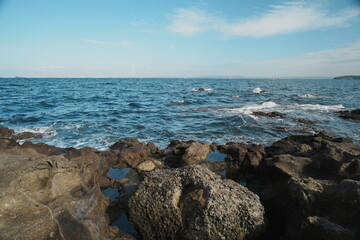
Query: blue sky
[169, 38]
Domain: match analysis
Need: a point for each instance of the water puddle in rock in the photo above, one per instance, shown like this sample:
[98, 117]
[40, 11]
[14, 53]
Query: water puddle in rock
[216, 157]
[112, 193]
[123, 224]
[117, 174]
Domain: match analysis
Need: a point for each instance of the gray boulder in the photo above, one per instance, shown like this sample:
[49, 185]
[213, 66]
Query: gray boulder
[194, 203]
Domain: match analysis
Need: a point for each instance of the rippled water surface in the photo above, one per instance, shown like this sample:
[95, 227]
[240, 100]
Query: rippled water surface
[97, 112]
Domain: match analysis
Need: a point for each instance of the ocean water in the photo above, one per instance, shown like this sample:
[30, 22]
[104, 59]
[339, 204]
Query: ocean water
[97, 112]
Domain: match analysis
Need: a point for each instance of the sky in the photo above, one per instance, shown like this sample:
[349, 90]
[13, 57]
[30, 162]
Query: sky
[179, 38]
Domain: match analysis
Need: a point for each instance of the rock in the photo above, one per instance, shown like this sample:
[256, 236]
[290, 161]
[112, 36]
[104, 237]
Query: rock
[27, 135]
[322, 229]
[126, 143]
[6, 132]
[286, 166]
[304, 121]
[51, 197]
[146, 166]
[194, 203]
[43, 148]
[132, 156]
[350, 169]
[353, 114]
[305, 191]
[269, 114]
[201, 89]
[245, 154]
[186, 153]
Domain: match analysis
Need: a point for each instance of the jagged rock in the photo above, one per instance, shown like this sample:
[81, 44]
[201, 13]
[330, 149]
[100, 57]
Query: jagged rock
[186, 153]
[322, 229]
[6, 132]
[350, 169]
[51, 197]
[353, 114]
[194, 203]
[246, 155]
[304, 121]
[269, 114]
[43, 148]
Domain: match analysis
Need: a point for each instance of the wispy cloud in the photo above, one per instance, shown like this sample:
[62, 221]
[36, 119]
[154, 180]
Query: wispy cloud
[106, 43]
[331, 62]
[289, 17]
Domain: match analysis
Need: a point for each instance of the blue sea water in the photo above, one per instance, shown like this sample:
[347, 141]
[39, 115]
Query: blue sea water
[97, 112]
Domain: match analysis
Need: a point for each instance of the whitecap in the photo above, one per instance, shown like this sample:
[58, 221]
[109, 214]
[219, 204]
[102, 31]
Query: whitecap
[180, 101]
[46, 132]
[319, 107]
[259, 90]
[249, 109]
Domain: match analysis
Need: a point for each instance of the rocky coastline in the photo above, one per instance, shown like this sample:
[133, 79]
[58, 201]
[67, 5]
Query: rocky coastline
[300, 187]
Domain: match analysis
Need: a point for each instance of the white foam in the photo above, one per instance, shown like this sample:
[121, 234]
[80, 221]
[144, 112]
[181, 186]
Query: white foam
[46, 132]
[319, 107]
[249, 109]
[180, 101]
[309, 95]
[259, 90]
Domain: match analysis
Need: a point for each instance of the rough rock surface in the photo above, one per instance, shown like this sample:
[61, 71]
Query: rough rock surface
[27, 135]
[304, 176]
[180, 153]
[6, 132]
[51, 197]
[194, 203]
[353, 114]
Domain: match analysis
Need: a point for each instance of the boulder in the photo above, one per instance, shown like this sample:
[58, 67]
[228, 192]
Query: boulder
[194, 203]
[180, 153]
[51, 197]
[322, 229]
[353, 114]
[350, 170]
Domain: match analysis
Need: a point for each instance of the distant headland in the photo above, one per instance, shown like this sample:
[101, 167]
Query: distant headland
[349, 77]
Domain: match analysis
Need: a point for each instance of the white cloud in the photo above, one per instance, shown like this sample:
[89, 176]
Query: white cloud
[295, 16]
[325, 63]
[116, 43]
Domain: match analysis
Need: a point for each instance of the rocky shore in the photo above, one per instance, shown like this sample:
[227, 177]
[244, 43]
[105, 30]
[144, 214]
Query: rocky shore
[301, 187]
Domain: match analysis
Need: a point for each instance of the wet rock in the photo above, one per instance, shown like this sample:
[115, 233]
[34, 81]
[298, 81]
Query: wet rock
[186, 153]
[51, 197]
[353, 114]
[322, 229]
[269, 114]
[304, 121]
[6, 132]
[201, 89]
[27, 135]
[194, 203]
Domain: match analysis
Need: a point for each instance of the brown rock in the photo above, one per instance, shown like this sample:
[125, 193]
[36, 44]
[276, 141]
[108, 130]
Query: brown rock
[6, 132]
[269, 114]
[27, 135]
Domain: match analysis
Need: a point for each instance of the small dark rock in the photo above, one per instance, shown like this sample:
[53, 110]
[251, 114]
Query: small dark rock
[6, 132]
[269, 114]
[353, 114]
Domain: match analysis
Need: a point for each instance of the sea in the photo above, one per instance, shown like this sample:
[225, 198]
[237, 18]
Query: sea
[96, 112]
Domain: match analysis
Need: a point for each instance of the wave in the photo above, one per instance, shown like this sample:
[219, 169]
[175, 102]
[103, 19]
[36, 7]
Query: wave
[259, 90]
[319, 107]
[46, 132]
[249, 109]
[180, 101]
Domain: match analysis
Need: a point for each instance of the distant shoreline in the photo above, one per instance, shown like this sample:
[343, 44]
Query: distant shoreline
[348, 77]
